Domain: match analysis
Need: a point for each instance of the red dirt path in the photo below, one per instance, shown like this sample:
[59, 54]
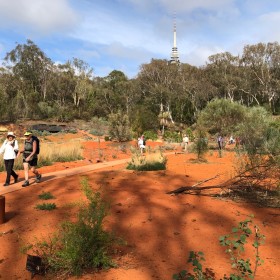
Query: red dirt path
[159, 229]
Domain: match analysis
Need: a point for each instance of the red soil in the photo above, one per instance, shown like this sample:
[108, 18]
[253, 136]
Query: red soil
[159, 229]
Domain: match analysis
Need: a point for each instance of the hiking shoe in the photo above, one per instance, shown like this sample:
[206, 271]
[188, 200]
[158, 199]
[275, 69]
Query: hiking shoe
[25, 184]
[16, 179]
[6, 184]
[38, 178]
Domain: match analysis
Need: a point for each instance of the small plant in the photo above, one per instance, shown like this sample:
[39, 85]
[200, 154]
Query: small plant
[149, 162]
[46, 196]
[195, 258]
[46, 206]
[79, 245]
[235, 243]
[200, 144]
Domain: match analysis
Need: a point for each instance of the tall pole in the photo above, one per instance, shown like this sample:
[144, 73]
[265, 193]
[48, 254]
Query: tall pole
[174, 54]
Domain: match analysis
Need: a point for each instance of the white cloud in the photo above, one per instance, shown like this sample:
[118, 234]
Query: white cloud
[180, 6]
[187, 6]
[269, 26]
[198, 56]
[42, 16]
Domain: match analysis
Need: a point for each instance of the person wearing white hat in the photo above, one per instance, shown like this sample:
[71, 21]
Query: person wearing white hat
[9, 150]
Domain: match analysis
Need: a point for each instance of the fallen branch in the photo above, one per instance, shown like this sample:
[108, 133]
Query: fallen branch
[193, 187]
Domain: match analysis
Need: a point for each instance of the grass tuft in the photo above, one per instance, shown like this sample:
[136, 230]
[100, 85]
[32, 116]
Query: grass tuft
[148, 162]
[46, 206]
[46, 196]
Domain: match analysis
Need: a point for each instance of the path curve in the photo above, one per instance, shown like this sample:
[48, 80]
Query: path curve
[63, 173]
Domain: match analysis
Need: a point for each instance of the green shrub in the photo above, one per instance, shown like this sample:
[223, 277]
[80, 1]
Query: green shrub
[149, 162]
[152, 166]
[119, 127]
[96, 132]
[46, 196]
[173, 137]
[152, 135]
[46, 206]
[79, 245]
[201, 143]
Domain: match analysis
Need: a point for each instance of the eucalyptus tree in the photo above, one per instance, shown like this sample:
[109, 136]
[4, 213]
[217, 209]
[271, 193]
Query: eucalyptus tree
[263, 62]
[223, 71]
[29, 64]
[113, 93]
[195, 91]
[82, 74]
[159, 88]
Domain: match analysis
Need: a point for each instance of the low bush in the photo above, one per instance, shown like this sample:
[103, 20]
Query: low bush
[148, 162]
[46, 206]
[174, 137]
[152, 135]
[79, 245]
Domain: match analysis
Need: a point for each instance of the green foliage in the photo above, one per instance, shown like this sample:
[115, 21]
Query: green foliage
[143, 119]
[200, 145]
[99, 126]
[235, 247]
[80, 245]
[150, 166]
[119, 127]
[221, 116]
[260, 137]
[149, 162]
[46, 195]
[150, 134]
[253, 130]
[46, 206]
[96, 132]
[172, 136]
[196, 259]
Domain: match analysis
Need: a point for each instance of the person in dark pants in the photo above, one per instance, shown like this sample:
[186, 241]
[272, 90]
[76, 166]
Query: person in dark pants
[30, 158]
[220, 142]
[9, 149]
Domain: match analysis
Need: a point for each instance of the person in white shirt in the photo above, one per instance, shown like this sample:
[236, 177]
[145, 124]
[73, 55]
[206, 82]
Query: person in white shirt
[186, 142]
[9, 149]
[141, 143]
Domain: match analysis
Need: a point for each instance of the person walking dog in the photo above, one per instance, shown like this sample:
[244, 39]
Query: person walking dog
[30, 157]
[9, 150]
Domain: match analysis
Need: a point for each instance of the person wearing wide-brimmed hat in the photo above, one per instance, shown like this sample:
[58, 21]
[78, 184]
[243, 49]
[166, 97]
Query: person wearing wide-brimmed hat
[9, 150]
[30, 157]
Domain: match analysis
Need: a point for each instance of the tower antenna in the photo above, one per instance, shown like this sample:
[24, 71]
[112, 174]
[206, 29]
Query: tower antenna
[174, 53]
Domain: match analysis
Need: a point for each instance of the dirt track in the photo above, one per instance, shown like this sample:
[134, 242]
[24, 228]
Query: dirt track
[159, 229]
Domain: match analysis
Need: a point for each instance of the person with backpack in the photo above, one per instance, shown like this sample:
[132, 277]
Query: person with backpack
[30, 157]
[9, 150]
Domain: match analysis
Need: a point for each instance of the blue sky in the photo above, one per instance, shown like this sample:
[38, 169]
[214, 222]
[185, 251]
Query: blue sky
[123, 34]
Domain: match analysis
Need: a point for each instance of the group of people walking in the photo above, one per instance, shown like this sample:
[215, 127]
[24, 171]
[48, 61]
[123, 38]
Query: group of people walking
[10, 150]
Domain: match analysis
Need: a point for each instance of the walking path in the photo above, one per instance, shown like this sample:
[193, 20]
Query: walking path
[63, 173]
